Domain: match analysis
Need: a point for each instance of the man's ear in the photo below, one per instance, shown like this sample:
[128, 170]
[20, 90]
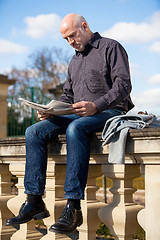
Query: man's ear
[84, 26]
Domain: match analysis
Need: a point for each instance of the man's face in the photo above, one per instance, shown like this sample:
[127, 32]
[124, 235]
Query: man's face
[76, 37]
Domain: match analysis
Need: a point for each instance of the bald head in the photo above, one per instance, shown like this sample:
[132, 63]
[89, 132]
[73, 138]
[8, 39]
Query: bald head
[74, 28]
[72, 20]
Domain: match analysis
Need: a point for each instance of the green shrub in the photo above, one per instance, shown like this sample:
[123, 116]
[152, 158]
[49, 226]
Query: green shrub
[104, 232]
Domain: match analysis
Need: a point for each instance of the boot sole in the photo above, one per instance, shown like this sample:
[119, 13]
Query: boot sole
[62, 232]
[65, 231]
[37, 216]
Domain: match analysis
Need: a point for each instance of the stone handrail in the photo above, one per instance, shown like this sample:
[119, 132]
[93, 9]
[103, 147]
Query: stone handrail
[120, 216]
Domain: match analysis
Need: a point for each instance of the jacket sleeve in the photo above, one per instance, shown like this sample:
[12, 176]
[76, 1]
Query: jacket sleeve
[67, 95]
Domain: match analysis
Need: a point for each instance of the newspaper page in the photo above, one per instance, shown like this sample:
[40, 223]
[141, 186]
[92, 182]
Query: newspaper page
[54, 107]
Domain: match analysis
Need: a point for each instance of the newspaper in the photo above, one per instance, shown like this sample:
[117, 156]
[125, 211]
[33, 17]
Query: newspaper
[54, 107]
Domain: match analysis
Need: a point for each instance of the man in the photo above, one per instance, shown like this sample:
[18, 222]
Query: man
[97, 87]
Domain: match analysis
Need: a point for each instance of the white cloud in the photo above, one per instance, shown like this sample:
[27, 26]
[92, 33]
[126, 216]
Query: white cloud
[155, 79]
[148, 100]
[155, 47]
[131, 32]
[41, 25]
[7, 47]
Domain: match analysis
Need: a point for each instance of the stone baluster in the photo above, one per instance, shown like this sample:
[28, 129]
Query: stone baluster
[120, 216]
[90, 205]
[26, 230]
[148, 218]
[5, 195]
[55, 202]
[54, 197]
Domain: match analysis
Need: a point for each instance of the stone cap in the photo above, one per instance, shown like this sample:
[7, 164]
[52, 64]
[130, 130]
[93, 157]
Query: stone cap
[4, 80]
[142, 147]
[133, 134]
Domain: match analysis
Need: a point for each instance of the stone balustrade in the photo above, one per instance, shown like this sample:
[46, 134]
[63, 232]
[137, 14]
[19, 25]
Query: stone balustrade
[121, 215]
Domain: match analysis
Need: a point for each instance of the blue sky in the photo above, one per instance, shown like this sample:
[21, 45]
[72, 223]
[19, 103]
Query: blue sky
[32, 24]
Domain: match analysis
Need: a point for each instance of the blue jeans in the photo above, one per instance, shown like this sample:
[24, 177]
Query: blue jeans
[77, 130]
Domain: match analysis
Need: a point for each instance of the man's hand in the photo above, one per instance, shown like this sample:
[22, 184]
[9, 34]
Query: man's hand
[84, 108]
[43, 116]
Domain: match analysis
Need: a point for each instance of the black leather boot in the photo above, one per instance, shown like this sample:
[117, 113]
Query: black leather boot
[68, 221]
[28, 212]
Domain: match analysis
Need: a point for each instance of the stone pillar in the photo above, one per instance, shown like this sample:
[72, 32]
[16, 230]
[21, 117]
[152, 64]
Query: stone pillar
[4, 84]
[148, 218]
[120, 216]
[91, 206]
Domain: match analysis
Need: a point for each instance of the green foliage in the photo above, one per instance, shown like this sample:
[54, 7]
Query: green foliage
[138, 183]
[140, 235]
[14, 127]
[19, 116]
[103, 231]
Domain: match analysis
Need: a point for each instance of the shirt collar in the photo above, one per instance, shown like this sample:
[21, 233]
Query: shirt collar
[94, 42]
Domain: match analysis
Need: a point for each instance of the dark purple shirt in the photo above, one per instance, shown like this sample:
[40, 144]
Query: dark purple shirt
[99, 74]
